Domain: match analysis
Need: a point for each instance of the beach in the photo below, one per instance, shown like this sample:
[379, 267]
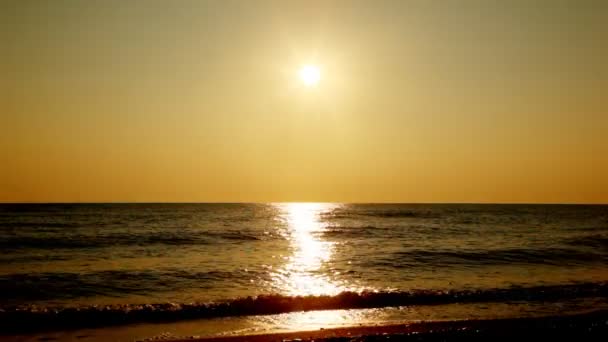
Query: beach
[584, 327]
[590, 326]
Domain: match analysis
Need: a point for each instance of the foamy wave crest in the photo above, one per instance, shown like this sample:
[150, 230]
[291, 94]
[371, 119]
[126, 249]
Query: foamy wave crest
[20, 318]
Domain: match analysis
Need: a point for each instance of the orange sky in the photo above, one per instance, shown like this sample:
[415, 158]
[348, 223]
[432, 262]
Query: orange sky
[419, 101]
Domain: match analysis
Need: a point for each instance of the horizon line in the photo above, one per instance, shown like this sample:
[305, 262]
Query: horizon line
[330, 202]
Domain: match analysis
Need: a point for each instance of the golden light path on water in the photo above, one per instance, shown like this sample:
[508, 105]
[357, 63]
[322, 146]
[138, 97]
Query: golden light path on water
[303, 272]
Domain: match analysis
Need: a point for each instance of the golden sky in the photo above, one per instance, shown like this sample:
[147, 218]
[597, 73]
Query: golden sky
[419, 101]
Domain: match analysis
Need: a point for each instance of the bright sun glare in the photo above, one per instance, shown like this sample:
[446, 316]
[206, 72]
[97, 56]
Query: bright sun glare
[310, 75]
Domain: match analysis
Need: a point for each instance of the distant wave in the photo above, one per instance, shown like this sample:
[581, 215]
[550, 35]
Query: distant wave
[64, 285]
[381, 213]
[507, 256]
[29, 318]
[399, 213]
[353, 232]
[17, 224]
[594, 241]
[74, 241]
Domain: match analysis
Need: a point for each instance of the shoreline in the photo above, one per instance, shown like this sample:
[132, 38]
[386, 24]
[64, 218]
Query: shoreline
[592, 326]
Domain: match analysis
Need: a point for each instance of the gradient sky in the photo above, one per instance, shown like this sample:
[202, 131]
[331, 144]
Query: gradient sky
[420, 101]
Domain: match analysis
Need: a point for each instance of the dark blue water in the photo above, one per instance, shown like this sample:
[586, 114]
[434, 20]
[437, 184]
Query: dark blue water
[84, 257]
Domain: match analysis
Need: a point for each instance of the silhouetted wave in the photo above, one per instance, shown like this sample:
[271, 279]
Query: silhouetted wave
[508, 256]
[38, 225]
[64, 285]
[594, 241]
[32, 318]
[75, 241]
[391, 213]
[353, 232]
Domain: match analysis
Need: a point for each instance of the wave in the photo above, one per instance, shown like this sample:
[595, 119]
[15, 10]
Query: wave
[20, 287]
[237, 236]
[74, 241]
[17, 224]
[354, 232]
[594, 241]
[398, 213]
[508, 256]
[381, 213]
[31, 318]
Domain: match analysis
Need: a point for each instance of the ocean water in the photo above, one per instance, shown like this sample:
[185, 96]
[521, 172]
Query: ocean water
[82, 265]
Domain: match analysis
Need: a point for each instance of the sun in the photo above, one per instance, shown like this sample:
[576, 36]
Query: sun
[310, 75]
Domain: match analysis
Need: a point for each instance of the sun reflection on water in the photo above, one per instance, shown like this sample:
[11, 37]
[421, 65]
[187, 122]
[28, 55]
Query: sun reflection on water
[303, 273]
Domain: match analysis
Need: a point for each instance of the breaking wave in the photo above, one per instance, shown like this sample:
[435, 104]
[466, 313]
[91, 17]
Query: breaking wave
[28, 318]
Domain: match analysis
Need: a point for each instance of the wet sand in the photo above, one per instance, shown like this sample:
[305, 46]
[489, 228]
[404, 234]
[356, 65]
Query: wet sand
[584, 327]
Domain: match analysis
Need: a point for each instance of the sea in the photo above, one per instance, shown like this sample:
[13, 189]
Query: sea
[161, 271]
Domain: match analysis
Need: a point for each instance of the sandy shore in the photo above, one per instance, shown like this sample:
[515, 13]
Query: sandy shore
[586, 327]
